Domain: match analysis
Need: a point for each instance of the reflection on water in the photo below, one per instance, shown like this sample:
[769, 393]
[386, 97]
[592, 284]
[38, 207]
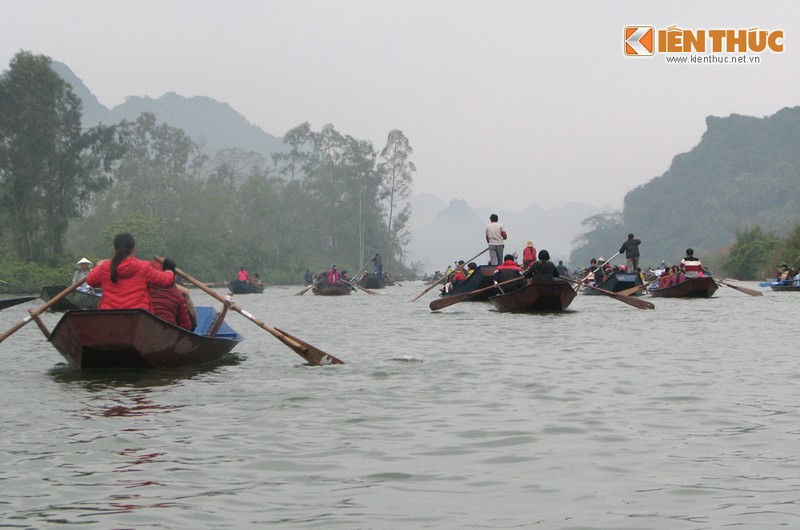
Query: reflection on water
[605, 416]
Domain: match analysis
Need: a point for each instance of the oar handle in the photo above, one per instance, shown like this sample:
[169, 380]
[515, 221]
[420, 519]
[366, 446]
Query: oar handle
[41, 309]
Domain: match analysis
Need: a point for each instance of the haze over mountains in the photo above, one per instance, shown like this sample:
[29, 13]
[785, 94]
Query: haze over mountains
[441, 232]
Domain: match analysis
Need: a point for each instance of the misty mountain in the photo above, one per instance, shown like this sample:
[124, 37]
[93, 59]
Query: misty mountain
[745, 172]
[445, 232]
[211, 124]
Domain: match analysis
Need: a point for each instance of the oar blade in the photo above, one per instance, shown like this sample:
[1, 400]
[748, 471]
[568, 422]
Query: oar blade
[741, 289]
[305, 350]
[635, 302]
[447, 301]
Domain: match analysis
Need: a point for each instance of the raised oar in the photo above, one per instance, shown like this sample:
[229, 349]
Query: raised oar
[630, 300]
[446, 301]
[311, 354]
[744, 290]
[41, 309]
[443, 278]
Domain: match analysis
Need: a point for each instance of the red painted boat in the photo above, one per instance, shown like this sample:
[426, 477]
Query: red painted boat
[703, 287]
[536, 296]
[135, 338]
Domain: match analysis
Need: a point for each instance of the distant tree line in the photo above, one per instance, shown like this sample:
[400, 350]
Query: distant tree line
[65, 191]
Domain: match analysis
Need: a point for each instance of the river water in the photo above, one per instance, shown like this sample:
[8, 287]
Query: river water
[605, 416]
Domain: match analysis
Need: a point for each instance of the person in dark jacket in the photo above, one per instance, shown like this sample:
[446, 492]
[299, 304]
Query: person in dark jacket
[506, 271]
[542, 269]
[631, 249]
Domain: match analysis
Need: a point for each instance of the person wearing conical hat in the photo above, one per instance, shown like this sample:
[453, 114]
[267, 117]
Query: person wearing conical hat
[84, 267]
[528, 255]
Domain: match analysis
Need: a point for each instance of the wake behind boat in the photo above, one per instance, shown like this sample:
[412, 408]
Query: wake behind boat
[135, 338]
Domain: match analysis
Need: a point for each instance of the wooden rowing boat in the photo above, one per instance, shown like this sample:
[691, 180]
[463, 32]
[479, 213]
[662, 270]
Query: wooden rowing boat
[481, 278]
[242, 287]
[370, 280]
[135, 338]
[703, 287]
[616, 282]
[536, 296]
[9, 302]
[75, 300]
[324, 288]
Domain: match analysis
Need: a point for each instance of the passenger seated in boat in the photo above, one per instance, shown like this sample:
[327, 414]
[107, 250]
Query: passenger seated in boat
[542, 269]
[333, 275]
[125, 279]
[456, 277]
[506, 271]
[471, 267]
[691, 266]
[170, 303]
[243, 275]
[257, 281]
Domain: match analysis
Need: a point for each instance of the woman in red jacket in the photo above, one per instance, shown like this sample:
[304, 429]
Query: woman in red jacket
[125, 279]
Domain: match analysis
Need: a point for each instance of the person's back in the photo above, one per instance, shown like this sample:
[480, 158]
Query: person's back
[169, 303]
[126, 286]
[333, 275]
[506, 271]
[691, 265]
[543, 269]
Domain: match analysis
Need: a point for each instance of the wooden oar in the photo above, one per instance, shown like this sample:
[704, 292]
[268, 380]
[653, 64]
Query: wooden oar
[41, 309]
[354, 284]
[17, 287]
[395, 281]
[444, 278]
[311, 354]
[308, 288]
[739, 288]
[630, 300]
[447, 301]
[630, 290]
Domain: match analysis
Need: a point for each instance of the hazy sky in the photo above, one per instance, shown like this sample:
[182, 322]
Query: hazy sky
[505, 103]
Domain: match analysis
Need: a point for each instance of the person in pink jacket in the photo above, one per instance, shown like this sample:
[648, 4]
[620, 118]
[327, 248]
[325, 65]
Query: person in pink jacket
[126, 280]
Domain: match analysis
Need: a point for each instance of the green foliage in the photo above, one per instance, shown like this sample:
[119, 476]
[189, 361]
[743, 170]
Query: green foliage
[30, 277]
[49, 167]
[146, 231]
[750, 254]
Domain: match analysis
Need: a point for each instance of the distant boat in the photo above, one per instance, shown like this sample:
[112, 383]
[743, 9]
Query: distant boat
[9, 302]
[785, 286]
[324, 288]
[74, 300]
[243, 287]
[616, 282]
[703, 287]
[536, 296]
[482, 277]
[135, 338]
[370, 280]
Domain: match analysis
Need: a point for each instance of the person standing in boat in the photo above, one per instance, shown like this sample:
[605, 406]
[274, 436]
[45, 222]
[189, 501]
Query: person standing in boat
[84, 268]
[542, 269]
[378, 263]
[631, 249]
[495, 237]
[691, 266]
[171, 304]
[126, 280]
[562, 269]
[528, 255]
[308, 277]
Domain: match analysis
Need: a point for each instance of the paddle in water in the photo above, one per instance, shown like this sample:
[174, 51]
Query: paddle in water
[630, 300]
[311, 354]
[41, 309]
[447, 301]
[739, 288]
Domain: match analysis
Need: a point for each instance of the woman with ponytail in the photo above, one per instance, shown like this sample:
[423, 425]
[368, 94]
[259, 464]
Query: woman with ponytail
[126, 280]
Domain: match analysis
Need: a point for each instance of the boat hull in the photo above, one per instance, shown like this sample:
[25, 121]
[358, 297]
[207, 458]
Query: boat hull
[240, 287]
[135, 338]
[616, 282]
[535, 297]
[481, 278]
[324, 288]
[74, 300]
[371, 280]
[703, 287]
[785, 288]
[10, 302]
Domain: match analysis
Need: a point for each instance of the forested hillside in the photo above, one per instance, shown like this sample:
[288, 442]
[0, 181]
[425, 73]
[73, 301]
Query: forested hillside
[745, 172]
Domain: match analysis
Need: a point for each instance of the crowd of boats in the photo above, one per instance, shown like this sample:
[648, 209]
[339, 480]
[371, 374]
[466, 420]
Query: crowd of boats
[134, 338]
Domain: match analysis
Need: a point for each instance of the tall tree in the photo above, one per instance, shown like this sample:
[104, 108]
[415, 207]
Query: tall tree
[396, 171]
[49, 166]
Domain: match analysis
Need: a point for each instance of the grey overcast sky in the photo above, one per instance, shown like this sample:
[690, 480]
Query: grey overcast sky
[505, 103]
